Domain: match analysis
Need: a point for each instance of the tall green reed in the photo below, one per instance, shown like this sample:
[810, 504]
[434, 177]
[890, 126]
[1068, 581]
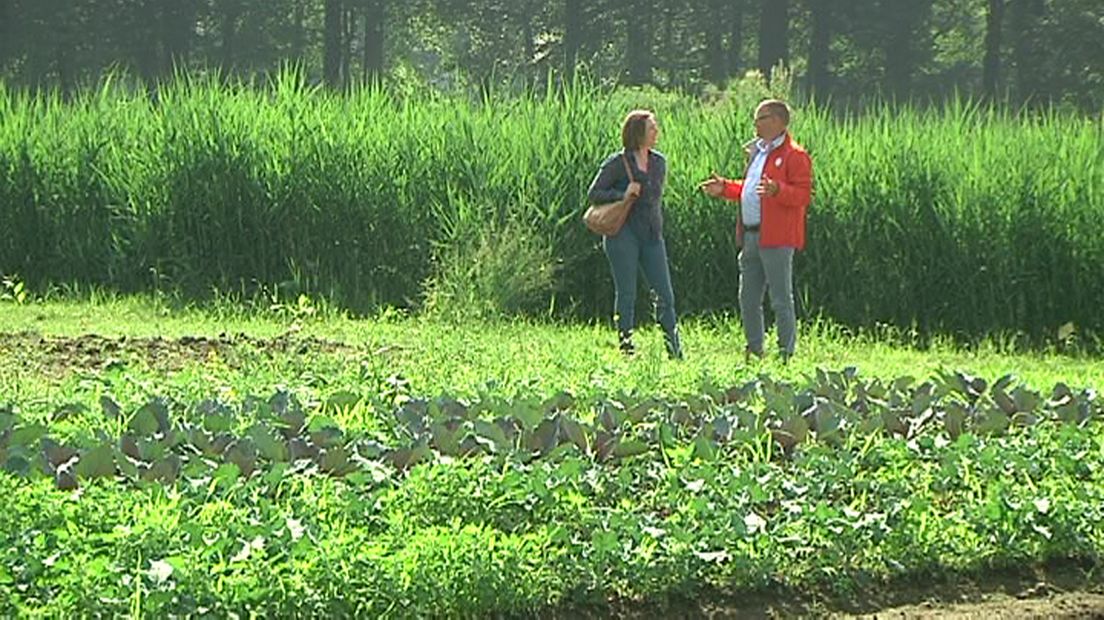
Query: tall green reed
[964, 219]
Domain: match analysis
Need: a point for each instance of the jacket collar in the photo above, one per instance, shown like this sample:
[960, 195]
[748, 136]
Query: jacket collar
[752, 145]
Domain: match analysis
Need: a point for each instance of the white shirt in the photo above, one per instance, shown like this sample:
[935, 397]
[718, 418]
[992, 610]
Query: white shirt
[750, 207]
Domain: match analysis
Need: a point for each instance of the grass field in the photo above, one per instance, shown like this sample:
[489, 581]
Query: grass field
[500, 359]
[661, 483]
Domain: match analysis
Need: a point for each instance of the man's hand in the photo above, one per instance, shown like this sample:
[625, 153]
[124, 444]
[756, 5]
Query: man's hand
[632, 191]
[767, 187]
[714, 185]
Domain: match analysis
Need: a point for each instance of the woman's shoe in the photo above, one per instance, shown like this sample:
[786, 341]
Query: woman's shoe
[674, 343]
[624, 342]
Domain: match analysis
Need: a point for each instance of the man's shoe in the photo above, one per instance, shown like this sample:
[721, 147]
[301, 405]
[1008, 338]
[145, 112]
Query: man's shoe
[750, 353]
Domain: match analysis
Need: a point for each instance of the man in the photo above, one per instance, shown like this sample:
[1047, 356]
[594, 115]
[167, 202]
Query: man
[774, 196]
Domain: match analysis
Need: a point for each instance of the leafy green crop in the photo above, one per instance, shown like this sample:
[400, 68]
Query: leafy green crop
[548, 476]
[218, 443]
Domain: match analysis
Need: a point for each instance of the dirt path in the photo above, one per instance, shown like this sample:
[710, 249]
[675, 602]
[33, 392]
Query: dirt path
[1058, 590]
[54, 356]
[1060, 605]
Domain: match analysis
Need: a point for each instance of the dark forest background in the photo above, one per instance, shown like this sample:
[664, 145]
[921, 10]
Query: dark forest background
[1020, 51]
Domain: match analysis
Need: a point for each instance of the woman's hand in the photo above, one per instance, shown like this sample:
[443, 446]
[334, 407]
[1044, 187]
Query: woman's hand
[632, 191]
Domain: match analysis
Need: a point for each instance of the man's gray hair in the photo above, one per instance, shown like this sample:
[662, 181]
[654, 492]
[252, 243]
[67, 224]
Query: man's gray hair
[778, 108]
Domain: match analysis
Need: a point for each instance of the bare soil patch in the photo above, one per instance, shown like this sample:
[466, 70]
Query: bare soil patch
[1061, 589]
[56, 356]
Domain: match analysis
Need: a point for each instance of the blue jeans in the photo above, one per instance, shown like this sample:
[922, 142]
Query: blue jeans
[628, 254]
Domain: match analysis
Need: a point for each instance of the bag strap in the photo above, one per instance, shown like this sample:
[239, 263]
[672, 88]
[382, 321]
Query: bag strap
[628, 170]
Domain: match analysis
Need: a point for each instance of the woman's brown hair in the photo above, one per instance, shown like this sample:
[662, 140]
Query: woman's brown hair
[635, 129]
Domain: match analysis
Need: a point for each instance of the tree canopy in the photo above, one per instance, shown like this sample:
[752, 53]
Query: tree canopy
[1034, 51]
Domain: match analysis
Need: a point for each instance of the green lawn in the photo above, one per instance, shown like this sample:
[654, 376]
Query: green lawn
[498, 359]
[681, 514]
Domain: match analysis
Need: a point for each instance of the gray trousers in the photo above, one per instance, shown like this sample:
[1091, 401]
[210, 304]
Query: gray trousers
[763, 270]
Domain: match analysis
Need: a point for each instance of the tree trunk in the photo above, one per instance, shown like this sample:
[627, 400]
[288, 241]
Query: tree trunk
[774, 26]
[638, 50]
[331, 57]
[898, 57]
[1025, 16]
[230, 14]
[374, 30]
[900, 43]
[736, 38]
[819, 41]
[713, 22]
[6, 32]
[65, 31]
[177, 28]
[527, 46]
[665, 52]
[299, 32]
[348, 33]
[573, 35]
[145, 38]
[991, 68]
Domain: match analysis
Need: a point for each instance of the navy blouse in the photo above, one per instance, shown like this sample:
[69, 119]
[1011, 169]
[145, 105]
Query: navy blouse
[646, 217]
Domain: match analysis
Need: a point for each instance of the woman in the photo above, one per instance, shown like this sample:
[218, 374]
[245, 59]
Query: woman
[639, 244]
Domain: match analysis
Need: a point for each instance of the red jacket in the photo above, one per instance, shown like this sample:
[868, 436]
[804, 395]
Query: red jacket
[782, 222]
